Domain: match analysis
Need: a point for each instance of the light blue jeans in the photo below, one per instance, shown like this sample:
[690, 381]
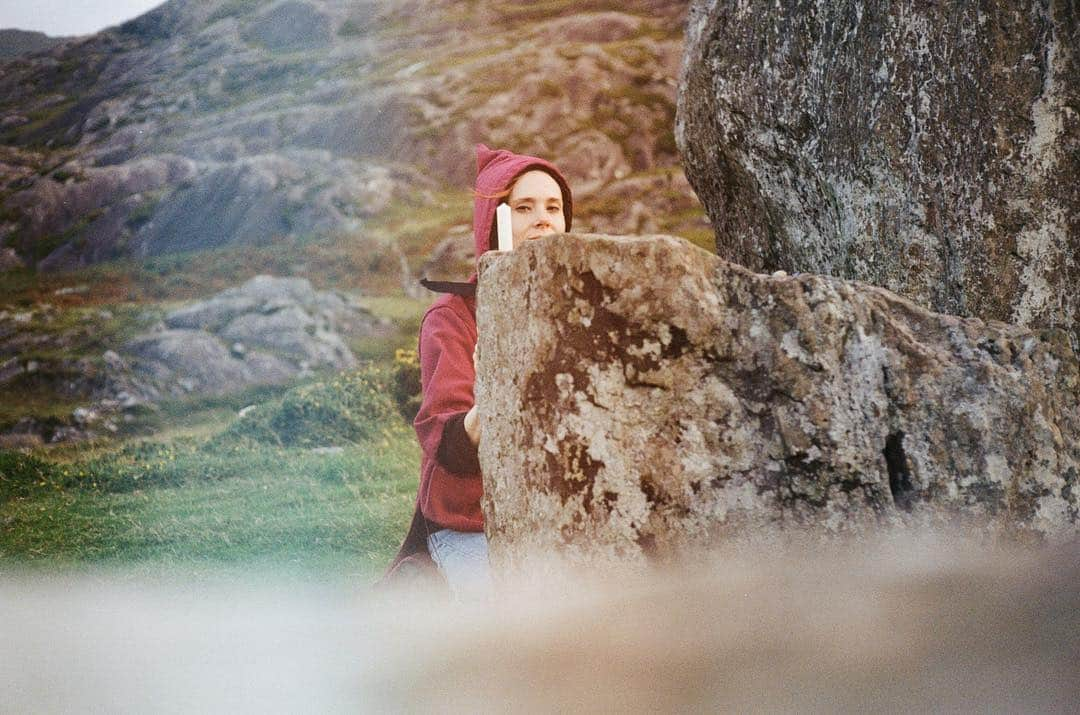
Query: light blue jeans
[462, 557]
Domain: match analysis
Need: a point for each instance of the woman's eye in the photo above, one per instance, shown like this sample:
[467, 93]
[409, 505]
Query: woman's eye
[553, 209]
[522, 209]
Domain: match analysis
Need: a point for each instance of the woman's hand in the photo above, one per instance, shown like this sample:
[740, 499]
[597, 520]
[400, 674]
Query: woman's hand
[472, 426]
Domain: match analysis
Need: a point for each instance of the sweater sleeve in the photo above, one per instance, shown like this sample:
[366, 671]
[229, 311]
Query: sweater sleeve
[457, 453]
[446, 378]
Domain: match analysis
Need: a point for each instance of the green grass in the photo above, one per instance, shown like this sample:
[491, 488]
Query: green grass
[207, 492]
[20, 401]
[285, 508]
[361, 262]
[402, 311]
[41, 119]
[214, 492]
[417, 226]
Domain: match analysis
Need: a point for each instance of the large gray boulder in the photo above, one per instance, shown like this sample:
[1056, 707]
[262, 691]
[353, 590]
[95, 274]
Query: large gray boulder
[259, 294]
[266, 331]
[933, 149]
[640, 396]
[292, 332]
[199, 360]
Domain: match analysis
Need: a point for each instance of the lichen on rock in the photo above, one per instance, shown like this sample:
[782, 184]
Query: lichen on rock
[930, 149]
[640, 396]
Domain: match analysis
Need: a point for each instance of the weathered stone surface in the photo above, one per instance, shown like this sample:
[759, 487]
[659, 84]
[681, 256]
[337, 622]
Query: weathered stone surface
[641, 395]
[197, 357]
[267, 330]
[932, 149]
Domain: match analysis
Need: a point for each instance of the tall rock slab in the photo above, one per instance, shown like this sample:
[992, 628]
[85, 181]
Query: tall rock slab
[930, 148]
[641, 396]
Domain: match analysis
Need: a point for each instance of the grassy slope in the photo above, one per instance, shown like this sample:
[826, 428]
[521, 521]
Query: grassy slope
[290, 510]
[187, 502]
[279, 508]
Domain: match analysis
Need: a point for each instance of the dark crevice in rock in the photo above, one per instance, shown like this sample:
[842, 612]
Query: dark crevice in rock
[1068, 494]
[652, 491]
[679, 344]
[647, 543]
[903, 492]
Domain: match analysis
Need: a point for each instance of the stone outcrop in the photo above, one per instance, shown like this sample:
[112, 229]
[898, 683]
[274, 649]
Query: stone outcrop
[928, 148]
[640, 396]
[266, 331]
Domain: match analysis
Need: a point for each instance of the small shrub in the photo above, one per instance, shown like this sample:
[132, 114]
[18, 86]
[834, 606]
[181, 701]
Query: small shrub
[354, 407]
[406, 383]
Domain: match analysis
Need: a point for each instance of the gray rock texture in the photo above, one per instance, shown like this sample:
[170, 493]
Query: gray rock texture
[640, 396]
[199, 359]
[933, 149]
[267, 330]
[291, 26]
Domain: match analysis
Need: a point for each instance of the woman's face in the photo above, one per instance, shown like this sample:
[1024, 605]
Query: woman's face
[536, 207]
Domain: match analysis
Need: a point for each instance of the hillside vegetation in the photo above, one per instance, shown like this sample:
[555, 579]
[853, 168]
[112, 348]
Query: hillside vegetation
[210, 141]
[222, 124]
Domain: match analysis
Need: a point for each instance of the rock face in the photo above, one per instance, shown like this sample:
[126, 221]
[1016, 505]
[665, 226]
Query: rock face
[266, 331]
[931, 149]
[640, 396]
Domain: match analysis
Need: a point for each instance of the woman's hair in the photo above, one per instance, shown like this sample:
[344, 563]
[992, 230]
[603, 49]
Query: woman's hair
[505, 193]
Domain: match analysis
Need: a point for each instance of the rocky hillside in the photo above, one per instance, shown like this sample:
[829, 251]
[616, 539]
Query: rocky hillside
[20, 42]
[209, 123]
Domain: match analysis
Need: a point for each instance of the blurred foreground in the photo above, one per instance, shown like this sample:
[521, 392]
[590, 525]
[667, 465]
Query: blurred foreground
[929, 625]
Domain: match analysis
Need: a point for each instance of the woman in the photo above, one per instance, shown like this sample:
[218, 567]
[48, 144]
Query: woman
[448, 524]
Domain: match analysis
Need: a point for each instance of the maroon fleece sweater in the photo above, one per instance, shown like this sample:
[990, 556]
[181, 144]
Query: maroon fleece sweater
[450, 484]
